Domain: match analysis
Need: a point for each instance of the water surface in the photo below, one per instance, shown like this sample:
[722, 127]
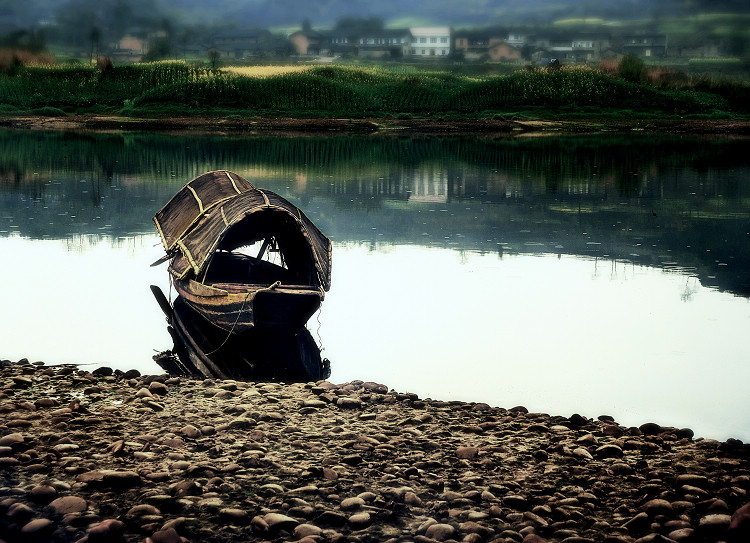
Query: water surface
[598, 275]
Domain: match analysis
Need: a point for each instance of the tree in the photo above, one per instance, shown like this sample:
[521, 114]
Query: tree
[357, 27]
[159, 49]
[632, 68]
[213, 58]
[94, 36]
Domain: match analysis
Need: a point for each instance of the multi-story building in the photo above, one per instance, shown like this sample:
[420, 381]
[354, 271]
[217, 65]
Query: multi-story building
[430, 41]
[388, 43]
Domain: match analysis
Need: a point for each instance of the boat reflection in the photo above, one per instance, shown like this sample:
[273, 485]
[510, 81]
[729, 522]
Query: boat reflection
[263, 353]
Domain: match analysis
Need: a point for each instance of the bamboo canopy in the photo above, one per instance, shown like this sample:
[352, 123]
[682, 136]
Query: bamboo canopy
[222, 210]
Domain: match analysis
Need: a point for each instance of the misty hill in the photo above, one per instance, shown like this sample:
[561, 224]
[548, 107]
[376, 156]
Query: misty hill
[286, 13]
[450, 12]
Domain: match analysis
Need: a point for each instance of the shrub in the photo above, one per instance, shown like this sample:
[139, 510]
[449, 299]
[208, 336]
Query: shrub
[632, 68]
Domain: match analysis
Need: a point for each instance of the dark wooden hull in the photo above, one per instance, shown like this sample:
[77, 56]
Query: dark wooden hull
[261, 353]
[240, 308]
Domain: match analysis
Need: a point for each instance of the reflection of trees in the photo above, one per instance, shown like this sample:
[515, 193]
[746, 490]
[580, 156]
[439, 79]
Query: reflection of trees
[626, 198]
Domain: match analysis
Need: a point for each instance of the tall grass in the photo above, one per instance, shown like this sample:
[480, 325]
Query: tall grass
[343, 91]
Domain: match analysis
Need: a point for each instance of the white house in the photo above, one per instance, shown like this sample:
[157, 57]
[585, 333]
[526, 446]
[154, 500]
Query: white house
[430, 41]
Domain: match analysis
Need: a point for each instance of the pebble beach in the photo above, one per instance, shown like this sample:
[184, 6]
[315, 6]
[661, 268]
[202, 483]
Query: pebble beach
[110, 456]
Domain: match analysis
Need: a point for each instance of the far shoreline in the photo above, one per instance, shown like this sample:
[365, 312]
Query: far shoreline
[317, 126]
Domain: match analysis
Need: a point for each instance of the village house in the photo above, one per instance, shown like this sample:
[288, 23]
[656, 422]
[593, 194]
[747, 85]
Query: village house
[570, 48]
[134, 44]
[500, 50]
[480, 45]
[393, 43]
[310, 42]
[430, 41]
[645, 45]
[242, 44]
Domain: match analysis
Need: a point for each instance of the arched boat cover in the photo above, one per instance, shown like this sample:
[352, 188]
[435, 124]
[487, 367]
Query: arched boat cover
[193, 223]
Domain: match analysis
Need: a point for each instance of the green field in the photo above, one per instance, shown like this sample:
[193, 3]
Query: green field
[178, 88]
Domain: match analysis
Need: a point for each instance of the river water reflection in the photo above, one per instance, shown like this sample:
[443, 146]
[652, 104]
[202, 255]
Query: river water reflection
[598, 275]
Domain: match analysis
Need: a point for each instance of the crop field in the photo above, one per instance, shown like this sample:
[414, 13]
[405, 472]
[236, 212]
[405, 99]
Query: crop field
[176, 87]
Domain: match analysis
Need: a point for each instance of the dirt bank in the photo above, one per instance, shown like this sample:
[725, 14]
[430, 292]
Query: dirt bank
[103, 456]
[318, 126]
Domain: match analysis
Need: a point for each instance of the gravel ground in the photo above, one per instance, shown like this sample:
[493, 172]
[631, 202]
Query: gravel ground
[109, 456]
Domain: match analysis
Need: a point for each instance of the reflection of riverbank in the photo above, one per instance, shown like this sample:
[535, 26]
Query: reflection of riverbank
[649, 200]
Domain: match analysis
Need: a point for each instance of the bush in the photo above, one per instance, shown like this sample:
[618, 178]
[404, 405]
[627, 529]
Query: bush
[632, 68]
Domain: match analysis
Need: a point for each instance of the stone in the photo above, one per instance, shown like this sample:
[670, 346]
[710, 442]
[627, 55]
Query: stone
[467, 453]
[141, 510]
[106, 530]
[360, 520]
[349, 403]
[38, 529]
[739, 525]
[515, 501]
[68, 504]
[11, 440]
[350, 504]
[638, 524]
[650, 429]
[234, 516]
[715, 524]
[277, 521]
[609, 450]
[43, 493]
[657, 507]
[190, 431]
[682, 534]
[169, 535]
[307, 530]
[121, 479]
[158, 388]
[440, 532]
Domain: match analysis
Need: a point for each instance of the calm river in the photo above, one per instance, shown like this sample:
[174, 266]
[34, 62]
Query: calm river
[570, 274]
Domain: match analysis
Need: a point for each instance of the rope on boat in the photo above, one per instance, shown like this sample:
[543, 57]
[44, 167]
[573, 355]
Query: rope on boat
[239, 313]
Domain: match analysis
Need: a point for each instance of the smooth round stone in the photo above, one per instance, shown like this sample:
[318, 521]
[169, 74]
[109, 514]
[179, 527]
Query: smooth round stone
[277, 521]
[68, 504]
[38, 528]
[683, 534]
[715, 523]
[350, 504]
[360, 520]
[467, 453]
[235, 516]
[43, 494]
[306, 530]
[190, 431]
[106, 530]
[441, 532]
[169, 535]
[142, 510]
[11, 440]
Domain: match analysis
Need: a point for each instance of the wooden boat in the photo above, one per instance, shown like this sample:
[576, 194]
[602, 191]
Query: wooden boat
[203, 350]
[243, 257]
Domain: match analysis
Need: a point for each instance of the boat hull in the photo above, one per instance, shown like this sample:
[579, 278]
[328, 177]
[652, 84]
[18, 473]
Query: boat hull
[239, 308]
[203, 350]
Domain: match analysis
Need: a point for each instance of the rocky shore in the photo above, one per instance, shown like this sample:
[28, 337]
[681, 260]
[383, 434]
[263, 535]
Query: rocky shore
[103, 456]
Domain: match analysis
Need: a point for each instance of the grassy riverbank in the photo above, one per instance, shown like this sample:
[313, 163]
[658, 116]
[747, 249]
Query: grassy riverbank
[171, 89]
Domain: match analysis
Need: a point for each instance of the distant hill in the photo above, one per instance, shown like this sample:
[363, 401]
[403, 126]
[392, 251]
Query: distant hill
[73, 20]
[112, 14]
[452, 12]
